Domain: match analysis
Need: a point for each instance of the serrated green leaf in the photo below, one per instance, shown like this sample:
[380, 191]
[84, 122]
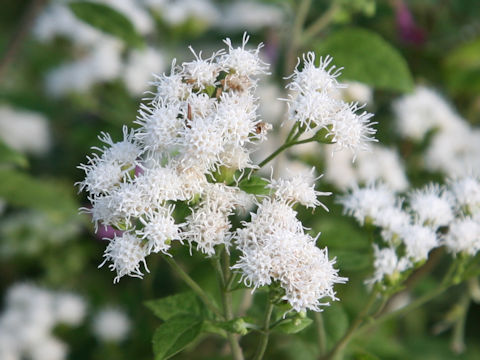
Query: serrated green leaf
[9, 156]
[175, 334]
[108, 20]
[368, 58]
[21, 189]
[254, 185]
[171, 306]
[294, 325]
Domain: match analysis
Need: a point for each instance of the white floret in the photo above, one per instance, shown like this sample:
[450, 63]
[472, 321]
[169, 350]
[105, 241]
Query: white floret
[126, 254]
[432, 206]
[463, 236]
[419, 241]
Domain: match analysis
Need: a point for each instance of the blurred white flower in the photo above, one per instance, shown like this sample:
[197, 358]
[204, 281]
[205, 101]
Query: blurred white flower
[70, 308]
[250, 16]
[140, 66]
[387, 264]
[25, 131]
[111, 325]
[432, 206]
[422, 111]
[463, 236]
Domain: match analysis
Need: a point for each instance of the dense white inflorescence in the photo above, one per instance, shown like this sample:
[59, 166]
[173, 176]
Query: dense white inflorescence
[180, 176]
[313, 103]
[430, 217]
[29, 318]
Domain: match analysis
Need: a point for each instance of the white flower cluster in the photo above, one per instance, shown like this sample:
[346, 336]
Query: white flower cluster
[379, 164]
[102, 54]
[454, 148]
[197, 130]
[24, 131]
[28, 320]
[275, 248]
[314, 104]
[427, 218]
[111, 324]
[201, 120]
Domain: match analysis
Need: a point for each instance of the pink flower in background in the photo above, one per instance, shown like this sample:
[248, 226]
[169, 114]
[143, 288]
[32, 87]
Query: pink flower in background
[408, 31]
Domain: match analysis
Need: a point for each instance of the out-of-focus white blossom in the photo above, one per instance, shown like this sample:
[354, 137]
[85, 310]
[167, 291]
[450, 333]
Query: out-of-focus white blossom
[463, 236]
[29, 318]
[176, 12]
[467, 194]
[140, 66]
[419, 240]
[111, 325]
[356, 92]
[422, 111]
[250, 16]
[432, 206]
[366, 204]
[387, 264]
[102, 63]
[25, 131]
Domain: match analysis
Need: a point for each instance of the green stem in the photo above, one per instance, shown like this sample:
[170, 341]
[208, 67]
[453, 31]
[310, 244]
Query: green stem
[322, 336]
[321, 23]
[284, 147]
[296, 37]
[413, 305]
[292, 132]
[194, 286]
[458, 335]
[343, 342]
[262, 345]
[223, 271]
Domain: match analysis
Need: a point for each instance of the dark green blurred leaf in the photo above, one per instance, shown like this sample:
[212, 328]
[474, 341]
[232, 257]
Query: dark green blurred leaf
[293, 326]
[11, 157]
[171, 306]
[175, 334]
[462, 68]
[352, 260]
[21, 189]
[368, 58]
[254, 185]
[107, 19]
[335, 321]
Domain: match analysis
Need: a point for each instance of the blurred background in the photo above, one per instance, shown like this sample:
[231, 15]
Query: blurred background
[72, 69]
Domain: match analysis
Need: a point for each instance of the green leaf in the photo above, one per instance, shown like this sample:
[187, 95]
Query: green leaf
[21, 189]
[462, 68]
[294, 325]
[11, 157]
[108, 20]
[352, 260]
[175, 334]
[368, 58]
[254, 185]
[336, 321]
[178, 304]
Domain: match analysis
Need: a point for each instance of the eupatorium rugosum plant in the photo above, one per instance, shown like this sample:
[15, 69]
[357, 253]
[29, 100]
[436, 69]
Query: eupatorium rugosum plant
[191, 150]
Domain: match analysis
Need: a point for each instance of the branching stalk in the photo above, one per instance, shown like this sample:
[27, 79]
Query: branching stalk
[194, 286]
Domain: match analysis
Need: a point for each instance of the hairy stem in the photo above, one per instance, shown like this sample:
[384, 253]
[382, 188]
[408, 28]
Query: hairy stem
[224, 277]
[194, 286]
[262, 345]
